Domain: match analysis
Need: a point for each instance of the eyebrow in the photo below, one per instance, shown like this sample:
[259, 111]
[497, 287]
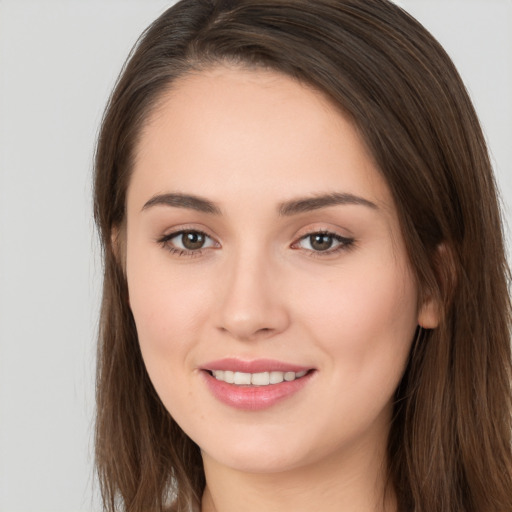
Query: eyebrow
[183, 201]
[297, 206]
[288, 208]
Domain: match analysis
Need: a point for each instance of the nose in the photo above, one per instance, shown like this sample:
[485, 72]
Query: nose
[252, 303]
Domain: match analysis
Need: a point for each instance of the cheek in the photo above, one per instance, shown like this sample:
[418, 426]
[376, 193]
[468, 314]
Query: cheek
[360, 297]
[365, 319]
[167, 312]
[166, 306]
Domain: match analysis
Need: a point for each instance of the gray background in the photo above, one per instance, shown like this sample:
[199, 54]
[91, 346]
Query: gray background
[58, 62]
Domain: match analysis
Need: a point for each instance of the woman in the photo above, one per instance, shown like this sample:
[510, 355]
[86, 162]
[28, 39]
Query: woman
[305, 293]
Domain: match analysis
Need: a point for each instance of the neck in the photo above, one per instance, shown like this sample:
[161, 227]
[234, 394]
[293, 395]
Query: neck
[354, 482]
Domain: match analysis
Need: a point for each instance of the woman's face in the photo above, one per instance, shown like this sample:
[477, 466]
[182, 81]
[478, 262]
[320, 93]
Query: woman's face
[263, 246]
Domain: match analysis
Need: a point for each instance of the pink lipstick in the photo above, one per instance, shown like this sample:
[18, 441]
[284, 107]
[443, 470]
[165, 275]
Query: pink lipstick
[254, 385]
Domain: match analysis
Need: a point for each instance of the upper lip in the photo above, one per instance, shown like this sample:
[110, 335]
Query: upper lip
[254, 366]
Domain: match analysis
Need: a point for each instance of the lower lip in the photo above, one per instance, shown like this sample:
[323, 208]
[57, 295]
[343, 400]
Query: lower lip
[254, 398]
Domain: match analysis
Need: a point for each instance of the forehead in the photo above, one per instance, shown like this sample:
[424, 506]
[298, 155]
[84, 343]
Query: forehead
[228, 131]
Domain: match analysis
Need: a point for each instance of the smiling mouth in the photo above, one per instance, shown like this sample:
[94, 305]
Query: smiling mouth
[256, 379]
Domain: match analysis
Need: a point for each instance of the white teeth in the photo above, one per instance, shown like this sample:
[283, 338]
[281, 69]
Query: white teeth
[260, 379]
[256, 379]
[276, 377]
[242, 378]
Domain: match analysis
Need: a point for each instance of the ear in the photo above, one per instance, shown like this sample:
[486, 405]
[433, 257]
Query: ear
[118, 244]
[118, 247]
[429, 314]
[114, 241]
[431, 310]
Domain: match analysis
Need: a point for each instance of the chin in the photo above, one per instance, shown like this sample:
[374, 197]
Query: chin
[264, 454]
[253, 453]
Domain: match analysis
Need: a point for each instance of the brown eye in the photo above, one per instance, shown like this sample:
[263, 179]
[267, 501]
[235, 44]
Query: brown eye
[187, 242]
[193, 240]
[321, 241]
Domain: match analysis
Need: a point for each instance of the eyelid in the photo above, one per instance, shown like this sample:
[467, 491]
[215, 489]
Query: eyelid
[344, 243]
[172, 236]
[165, 240]
[169, 232]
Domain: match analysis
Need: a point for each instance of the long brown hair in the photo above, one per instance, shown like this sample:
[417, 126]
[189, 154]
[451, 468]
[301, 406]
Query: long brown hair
[450, 442]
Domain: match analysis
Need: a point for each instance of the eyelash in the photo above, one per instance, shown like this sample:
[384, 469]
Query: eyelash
[344, 243]
[164, 241]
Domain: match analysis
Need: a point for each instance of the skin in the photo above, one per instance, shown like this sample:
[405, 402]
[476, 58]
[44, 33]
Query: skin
[249, 141]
